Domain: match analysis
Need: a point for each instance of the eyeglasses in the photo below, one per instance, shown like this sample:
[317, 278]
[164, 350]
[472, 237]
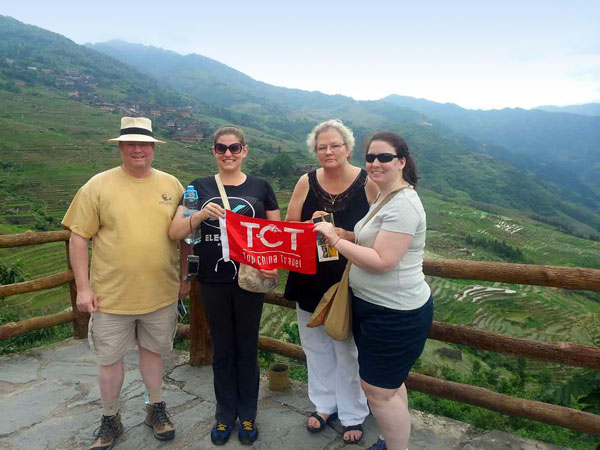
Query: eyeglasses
[233, 148]
[381, 157]
[333, 147]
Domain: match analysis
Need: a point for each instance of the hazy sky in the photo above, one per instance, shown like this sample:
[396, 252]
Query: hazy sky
[478, 54]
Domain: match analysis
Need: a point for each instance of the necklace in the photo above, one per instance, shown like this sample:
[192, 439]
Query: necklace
[332, 197]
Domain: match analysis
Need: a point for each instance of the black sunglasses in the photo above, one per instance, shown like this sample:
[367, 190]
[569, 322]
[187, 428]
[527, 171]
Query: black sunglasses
[233, 148]
[381, 157]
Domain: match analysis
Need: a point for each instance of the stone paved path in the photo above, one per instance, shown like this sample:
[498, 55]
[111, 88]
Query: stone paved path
[49, 399]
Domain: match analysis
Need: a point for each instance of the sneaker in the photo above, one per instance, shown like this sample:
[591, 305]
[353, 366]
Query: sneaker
[220, 433]
[379, 445]
[110, 428]
[248, 432]
[158, 418]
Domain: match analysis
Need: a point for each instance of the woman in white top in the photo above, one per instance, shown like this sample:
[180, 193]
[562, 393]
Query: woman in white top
[392, 307]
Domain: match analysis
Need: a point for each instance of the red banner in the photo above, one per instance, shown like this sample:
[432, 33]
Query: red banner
[269, 244]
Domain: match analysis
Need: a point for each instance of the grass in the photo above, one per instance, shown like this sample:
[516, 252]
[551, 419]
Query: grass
[49, 148]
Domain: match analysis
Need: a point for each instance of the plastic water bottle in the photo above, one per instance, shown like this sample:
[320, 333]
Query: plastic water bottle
[190, 206]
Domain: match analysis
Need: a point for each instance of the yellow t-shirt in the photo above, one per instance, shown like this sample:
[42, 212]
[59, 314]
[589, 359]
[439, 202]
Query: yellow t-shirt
[134, 263]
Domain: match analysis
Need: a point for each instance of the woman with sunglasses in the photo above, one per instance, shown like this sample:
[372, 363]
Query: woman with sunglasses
[233, 314]
[345, 191]
[392, 307]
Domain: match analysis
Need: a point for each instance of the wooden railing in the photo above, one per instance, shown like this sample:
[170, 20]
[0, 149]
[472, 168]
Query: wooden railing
[201, 349]
[79, 319]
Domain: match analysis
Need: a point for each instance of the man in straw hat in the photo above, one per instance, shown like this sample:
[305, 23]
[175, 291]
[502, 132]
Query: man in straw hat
[134, 287]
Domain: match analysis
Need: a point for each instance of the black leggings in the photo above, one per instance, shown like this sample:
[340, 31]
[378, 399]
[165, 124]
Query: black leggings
[234, 319]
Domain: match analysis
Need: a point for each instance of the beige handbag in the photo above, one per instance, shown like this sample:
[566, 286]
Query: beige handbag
[249, 278]
[334, 310]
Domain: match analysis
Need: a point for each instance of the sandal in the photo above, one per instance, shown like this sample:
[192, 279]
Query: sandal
[322, 422]
[353, 428]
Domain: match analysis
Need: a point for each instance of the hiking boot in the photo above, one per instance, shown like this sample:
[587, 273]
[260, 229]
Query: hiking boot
[248, 432]
[158, 418]
[220, 433]
[110, 428]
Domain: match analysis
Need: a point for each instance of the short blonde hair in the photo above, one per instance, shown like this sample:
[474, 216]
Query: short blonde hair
[333, 124]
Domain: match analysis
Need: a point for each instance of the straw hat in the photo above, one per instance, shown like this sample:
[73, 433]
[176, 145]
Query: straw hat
[138, 129]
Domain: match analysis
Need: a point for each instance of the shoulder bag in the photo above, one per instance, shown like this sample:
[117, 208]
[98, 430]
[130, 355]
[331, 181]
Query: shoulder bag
[249, 278]
[334, 309]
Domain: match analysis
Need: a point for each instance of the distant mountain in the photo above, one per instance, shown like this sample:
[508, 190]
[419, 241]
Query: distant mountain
[295, 111]
[215, 82]
[587, 109]
[560, 148]
[451, 164]
[33, 55]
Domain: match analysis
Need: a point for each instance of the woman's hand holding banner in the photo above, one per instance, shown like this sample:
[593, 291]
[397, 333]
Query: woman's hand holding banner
[269, 244]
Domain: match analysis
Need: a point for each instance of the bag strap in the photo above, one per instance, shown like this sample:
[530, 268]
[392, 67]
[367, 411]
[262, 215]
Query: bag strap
[375, 211]
[221, 188]
[382, 204]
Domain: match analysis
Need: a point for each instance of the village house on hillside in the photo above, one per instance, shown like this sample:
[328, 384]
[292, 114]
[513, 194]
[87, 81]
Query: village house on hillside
[305, 169]
[176, 122]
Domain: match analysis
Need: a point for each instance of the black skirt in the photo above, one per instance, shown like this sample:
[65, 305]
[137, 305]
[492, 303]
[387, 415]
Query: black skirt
[389, 341]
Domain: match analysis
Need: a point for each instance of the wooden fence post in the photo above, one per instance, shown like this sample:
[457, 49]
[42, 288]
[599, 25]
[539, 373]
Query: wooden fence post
[81, 320]
[200, 342]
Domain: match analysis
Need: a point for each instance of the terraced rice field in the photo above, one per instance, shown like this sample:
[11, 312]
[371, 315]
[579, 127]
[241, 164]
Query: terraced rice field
[533, 312]
[37, 261]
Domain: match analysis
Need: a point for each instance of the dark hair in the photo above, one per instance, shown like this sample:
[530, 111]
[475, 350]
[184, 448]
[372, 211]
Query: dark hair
[229, 129]
[409, 173]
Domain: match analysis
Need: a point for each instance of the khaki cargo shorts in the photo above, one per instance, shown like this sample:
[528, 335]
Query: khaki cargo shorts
[111, 335]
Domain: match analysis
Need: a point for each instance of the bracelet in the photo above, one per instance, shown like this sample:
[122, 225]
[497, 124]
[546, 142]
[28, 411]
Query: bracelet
[335, 243]
[191, 228]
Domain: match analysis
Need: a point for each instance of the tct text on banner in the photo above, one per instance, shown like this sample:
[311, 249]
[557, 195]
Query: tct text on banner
[269, 244]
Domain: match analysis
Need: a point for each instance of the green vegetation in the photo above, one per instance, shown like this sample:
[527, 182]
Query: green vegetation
[507, 164]
[10, 274]
[500, 248]
[536, 141]
[35, 338]
[478, 207]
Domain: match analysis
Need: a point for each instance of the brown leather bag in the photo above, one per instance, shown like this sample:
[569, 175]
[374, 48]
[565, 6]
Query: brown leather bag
[334, 310]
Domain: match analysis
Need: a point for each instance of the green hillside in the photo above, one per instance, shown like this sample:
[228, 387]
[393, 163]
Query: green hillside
[511, 177]
[561, 148]
[478, 206]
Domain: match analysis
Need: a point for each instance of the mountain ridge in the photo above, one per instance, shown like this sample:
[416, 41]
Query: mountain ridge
[453, 165]
[271, 102]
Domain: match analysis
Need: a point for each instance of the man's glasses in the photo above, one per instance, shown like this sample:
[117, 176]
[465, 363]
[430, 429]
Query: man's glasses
[233, 148]
[333, 147]
[381, 157]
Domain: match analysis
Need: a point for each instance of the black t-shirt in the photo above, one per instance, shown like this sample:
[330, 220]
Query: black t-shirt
[251, 198]
[348, 208]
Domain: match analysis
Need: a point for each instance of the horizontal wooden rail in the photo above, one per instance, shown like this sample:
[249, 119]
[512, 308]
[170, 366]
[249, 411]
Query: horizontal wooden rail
[561, 352]
[183, 331]
[38, 284]
[275, 298]
[278, 299]
[576, 355]
[505, 404]
[13, 329]
[281, 348]
[264, 343]
[561, 277]
[473, 395]
[33, 238]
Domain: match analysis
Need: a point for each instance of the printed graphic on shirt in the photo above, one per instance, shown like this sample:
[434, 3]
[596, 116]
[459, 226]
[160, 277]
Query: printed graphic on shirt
[244, 206]
[166, 200]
